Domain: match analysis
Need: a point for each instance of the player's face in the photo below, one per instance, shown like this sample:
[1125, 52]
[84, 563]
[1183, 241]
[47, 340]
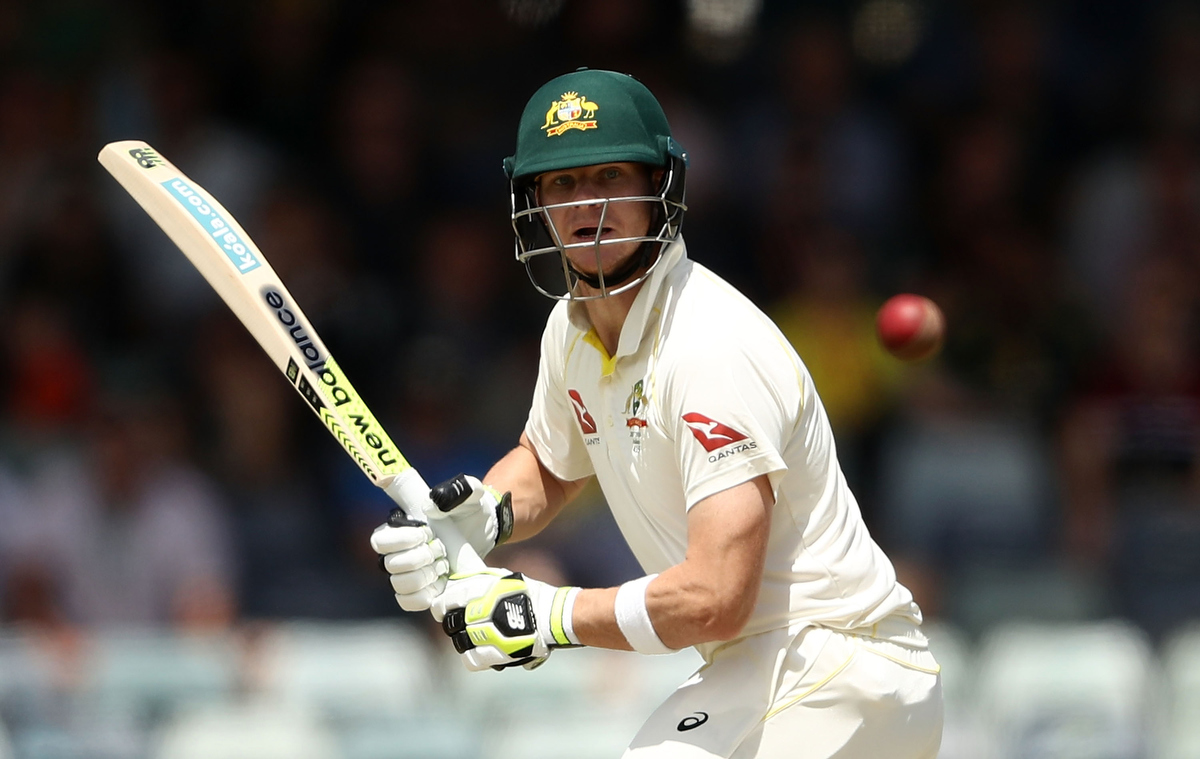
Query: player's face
[582, 223]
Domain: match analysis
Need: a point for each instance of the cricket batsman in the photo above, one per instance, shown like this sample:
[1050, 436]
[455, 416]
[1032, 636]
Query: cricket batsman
[712, 448]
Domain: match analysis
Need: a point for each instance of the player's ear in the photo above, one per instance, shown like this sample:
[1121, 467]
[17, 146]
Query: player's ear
[656, 178]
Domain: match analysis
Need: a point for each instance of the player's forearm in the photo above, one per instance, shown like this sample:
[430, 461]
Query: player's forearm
[595, 619]
[689, 607]
[537, 496]
[684, 610]
[712, 593]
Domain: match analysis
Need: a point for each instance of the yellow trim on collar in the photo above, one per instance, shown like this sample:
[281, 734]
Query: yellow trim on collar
[608, 364]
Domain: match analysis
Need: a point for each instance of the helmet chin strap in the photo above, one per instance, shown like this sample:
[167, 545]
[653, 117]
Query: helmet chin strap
[622, 275]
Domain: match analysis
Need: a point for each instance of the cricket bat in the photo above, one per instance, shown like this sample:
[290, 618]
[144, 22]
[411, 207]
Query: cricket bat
[226, 256]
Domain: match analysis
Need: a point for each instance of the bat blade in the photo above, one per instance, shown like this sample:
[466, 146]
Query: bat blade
[240, 274]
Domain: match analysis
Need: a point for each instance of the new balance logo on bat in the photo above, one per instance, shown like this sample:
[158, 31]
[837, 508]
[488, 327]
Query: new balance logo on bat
[287, 317]
[146, 158]
[363, 431]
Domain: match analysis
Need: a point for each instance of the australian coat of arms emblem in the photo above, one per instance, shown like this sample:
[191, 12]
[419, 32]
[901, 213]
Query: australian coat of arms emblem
[635, 404]
[574, 111]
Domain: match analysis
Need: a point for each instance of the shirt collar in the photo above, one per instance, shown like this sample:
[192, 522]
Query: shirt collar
[643, 309]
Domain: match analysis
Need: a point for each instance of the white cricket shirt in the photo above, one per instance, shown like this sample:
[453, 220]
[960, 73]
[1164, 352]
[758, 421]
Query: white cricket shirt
[704, 393]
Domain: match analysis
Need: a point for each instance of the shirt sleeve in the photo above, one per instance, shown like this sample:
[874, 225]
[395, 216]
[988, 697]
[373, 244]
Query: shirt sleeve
[552, 425]
[732, 416]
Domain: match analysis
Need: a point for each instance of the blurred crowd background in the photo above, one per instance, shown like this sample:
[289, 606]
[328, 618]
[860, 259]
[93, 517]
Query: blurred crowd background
[1034, 167]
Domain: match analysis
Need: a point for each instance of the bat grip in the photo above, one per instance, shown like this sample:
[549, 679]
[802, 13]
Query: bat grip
[410, 492]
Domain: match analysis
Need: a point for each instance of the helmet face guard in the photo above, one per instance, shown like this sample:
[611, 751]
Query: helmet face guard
[547, 259]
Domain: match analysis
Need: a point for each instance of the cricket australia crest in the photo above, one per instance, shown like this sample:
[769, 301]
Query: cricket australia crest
[635, 409]
[574, 111]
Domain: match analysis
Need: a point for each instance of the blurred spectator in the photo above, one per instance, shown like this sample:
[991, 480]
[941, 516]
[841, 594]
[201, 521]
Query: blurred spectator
[1172, 101]
[980, 181]
[1012, 43]
[994, 58]
[466, 277]
[285, 45]
[68, 255]
[828, 315]
[850, 152]
[1131, 452]
[50, 384]
[1018, 333]
[1017, 336]
[963, 487]
[26, 154]
[444, 423]
[1129, 205]
[376, 142]
[126, 532]
[1133, 201]
[285, 532]
[309, 248]
[13, 513]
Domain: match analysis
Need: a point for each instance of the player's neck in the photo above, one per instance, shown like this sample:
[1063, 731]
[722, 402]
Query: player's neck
[607, 316]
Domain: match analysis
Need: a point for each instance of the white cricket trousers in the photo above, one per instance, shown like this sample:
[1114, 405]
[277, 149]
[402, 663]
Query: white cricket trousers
[812, 693]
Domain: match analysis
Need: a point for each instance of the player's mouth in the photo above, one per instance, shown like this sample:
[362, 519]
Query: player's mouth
[588, 234]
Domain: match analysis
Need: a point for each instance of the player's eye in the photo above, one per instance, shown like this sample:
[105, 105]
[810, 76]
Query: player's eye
[612, 172]
[562, 180]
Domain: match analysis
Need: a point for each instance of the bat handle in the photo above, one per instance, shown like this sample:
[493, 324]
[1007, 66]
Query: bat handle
[409, 490]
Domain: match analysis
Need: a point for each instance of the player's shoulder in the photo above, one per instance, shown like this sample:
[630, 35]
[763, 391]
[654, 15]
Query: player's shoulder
[711, 314]
[716, 343]
[705, 290]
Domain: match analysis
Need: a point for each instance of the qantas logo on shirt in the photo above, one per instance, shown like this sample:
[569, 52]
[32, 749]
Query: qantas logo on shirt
[586, 422]
[711, 433]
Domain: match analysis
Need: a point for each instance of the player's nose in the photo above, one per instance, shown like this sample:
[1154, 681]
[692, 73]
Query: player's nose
[587, 189]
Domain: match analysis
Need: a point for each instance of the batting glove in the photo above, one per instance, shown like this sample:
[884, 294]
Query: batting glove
[499, 619]
[483, 514]
[416, 559]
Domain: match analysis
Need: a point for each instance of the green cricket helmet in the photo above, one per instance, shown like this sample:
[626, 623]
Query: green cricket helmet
[585, 118]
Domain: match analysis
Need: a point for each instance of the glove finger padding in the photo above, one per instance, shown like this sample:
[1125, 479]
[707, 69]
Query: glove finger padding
[423, 598]
[412, 559]
[408, 583]
[387, 540]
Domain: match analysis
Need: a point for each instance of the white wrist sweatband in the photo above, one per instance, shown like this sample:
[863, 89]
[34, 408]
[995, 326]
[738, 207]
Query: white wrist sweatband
[634, 619]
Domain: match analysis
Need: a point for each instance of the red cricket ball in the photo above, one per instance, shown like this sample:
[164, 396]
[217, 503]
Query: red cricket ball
[911, 327]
